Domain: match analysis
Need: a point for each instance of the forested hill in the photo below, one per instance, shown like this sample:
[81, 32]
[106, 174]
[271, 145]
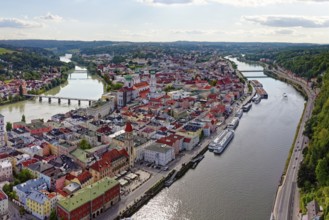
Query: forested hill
[313, 176]
[308, 61]
[17, 62]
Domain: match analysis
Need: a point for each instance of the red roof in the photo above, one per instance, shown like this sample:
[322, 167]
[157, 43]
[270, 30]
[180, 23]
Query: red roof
[4, 155]
[128, 128]
[29, 162]
[84, 177]
[143, 94]
[70, 176]
[2, 196]
[141, 85]
[114, 154]
[100, 165]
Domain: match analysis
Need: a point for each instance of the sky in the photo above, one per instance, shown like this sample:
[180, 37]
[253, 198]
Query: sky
[298, 21]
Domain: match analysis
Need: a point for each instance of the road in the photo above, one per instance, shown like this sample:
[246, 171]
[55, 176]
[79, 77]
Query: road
[286, 206]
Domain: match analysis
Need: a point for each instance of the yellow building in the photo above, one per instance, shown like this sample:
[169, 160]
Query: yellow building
[41, 203]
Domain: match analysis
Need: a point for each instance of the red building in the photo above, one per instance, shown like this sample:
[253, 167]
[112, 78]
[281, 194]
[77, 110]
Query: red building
[90, 202]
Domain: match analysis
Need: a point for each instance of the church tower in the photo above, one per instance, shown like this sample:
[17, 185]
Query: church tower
[153, 84]
[129, 143]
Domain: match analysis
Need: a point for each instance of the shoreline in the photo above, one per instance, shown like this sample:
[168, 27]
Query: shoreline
[306, 92]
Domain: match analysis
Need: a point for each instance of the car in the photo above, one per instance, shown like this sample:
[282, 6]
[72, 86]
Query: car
[165, 168]
[296, 158]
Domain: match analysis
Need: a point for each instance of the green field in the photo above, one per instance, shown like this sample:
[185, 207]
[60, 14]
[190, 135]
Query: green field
[3, 50]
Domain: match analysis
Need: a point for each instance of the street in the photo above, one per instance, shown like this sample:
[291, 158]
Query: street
[287, 199]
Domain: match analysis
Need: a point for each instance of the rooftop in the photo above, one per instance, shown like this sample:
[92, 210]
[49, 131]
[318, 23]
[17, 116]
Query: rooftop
[158, 148]
[87, 194]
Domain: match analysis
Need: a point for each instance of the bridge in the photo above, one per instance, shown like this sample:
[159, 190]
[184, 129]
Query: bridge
[60, 98]
[250, 77]
[79, 71]
[251, 71]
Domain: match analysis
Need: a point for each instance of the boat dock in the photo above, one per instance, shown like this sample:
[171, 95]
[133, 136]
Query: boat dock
[260, 91]
[256, 83]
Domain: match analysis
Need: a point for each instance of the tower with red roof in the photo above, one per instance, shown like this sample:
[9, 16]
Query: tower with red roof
[129, 142]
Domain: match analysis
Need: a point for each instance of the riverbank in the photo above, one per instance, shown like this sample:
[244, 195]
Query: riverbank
[287, 191]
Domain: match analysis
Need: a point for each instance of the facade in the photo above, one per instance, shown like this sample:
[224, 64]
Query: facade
[101, 108]
[91, 201]
[40, 204]
[3, 205]
[6, 170]
[2, 131]
[159, 154]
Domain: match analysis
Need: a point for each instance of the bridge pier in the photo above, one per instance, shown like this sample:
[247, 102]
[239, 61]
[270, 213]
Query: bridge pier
[79, 102]
[49, 100]
[40, 99]
[59, 101]
[69, 101]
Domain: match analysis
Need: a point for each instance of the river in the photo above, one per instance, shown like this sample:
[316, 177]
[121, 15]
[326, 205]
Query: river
[80, 84]
[242, 182]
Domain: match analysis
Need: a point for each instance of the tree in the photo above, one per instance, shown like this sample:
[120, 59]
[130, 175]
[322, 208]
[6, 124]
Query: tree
[9, 126]
[53, 215]
[84, 144]
[21, 90]
[23, 118]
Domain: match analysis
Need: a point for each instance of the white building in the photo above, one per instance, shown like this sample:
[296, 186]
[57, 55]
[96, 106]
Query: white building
[159, 154]
[6, 170]
[101, 108]
[3, 205]
[179, 94]
[2, 131]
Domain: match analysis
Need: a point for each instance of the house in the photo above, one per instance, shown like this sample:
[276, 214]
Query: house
[3, 205]
[174, 141]
[90, 202]
[6, 171]
[159, 154]
[23, 190]
[40, 204]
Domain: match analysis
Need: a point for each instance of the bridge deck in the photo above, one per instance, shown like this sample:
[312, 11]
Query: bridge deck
[59, 97]
[251, 71]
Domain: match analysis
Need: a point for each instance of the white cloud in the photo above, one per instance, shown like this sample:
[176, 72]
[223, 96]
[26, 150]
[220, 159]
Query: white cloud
[51, 17]
[18, 23]
[284, 32]
[289, 21]
[240, 3]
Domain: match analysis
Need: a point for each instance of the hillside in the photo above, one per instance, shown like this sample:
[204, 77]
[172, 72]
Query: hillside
[313, 176]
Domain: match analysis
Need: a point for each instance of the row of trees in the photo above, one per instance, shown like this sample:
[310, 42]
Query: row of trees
[313, 175]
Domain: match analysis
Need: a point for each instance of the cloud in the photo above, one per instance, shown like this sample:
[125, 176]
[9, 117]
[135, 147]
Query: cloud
[18, 23]
[51, 17]
[171, 2]
[289, 21]
[239, 3]
[284, 32]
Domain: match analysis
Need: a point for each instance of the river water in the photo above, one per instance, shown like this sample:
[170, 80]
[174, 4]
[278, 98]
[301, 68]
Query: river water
[242, 182]
[79, 85]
